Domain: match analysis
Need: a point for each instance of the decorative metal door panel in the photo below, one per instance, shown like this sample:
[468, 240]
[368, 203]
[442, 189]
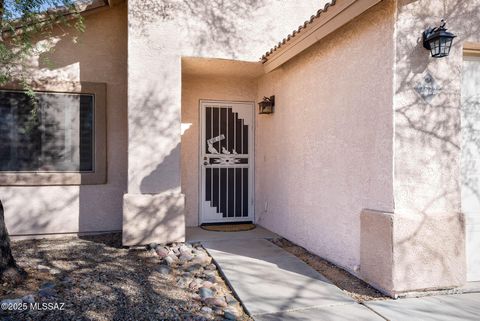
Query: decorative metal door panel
[226, 154]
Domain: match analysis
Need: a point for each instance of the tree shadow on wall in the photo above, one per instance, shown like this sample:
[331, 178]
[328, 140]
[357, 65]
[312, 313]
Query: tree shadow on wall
[210, 25]
[429, 130]
[164, 177]
[100, 206]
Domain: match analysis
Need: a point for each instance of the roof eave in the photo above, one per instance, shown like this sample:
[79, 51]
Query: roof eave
[327, 21]
[83, 9]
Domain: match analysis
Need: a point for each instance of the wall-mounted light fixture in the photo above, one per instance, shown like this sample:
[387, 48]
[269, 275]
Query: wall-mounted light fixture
[438, 40]
[266, 105]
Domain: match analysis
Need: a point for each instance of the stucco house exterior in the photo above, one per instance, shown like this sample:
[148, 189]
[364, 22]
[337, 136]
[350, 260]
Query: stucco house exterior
[369, 160]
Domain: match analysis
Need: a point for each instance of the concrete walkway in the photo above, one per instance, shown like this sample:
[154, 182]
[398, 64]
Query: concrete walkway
[275, 285]
[459, 307]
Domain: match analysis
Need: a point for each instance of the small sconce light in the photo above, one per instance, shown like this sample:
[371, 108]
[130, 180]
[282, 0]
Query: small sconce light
[438, 40]
[266, 105]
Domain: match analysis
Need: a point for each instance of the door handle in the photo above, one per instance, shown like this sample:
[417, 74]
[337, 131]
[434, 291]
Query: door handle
[205, 163]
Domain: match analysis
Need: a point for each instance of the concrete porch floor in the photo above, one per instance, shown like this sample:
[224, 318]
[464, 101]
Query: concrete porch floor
[197, 234]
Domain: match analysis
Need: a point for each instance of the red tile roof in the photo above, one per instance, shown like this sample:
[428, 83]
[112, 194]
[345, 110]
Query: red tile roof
[299, 30]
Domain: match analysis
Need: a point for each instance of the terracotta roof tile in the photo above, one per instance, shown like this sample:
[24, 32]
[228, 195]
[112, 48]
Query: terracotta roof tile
[298, 30]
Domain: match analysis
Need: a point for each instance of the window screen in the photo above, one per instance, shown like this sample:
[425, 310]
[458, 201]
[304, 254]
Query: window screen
[47, 132]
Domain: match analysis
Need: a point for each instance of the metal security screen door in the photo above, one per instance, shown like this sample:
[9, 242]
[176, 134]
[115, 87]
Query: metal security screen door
[226, 154]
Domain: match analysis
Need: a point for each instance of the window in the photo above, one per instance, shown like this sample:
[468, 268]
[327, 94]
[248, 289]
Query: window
[49, 132]
[52, 138]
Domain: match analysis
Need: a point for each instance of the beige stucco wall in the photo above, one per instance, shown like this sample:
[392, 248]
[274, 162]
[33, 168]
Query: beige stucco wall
[99, 56]
[428, 181]
[428, 139]
[427, 136]
[228, 86]
[403, 252]
[326, 152]
[427, 232]
[159, 34]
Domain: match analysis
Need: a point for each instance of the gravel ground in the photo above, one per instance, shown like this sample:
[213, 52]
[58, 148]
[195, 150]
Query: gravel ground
[351, 285]
[95, 278]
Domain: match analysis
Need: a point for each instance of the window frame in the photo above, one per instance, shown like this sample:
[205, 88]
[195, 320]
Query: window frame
[471, 49]
[99, 173]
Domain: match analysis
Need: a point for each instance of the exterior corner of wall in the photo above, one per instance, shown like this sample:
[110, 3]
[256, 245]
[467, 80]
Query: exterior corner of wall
[155, 218]
[376, 250]
[307, 110]
[429, 251]
[426, 158]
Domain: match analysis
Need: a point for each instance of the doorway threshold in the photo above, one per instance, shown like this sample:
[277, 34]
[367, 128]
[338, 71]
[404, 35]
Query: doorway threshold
[197, 234]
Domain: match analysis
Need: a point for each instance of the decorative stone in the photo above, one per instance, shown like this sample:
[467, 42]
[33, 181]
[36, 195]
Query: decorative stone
[47, 293]
[186, 316]
[197, 268]
[43, 268]
[218, 311]
[218, 302]
[66, 280]
[161, 251]
[196, 297]
[211, 267]
[230, 298]
[207, 284]
[207, 310]
[202, 259]
[163, 269]
[205, 293]
[231, 314]
[169, 260]
[47, 285]
[210, 273]
[194, 285]
[211, 278]
[183, 282]
[185, 249]
[54, 271]
[185, 257]
[28, 299]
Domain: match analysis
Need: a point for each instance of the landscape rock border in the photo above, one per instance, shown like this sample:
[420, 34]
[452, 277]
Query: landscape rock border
[193, 268]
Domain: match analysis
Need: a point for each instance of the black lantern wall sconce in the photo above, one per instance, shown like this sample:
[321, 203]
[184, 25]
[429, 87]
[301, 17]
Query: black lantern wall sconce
[267, 105]
[438, 40]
